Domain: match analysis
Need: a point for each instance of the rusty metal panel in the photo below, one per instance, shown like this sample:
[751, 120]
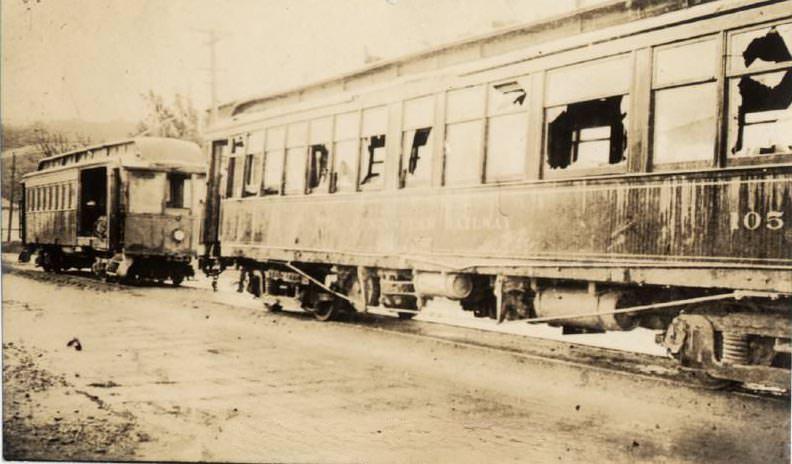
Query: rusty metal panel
[153, 234]
[51, 227]
[739, 219]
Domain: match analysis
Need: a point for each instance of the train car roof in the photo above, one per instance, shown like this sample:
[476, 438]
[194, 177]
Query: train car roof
[137, 152]
[502, 41]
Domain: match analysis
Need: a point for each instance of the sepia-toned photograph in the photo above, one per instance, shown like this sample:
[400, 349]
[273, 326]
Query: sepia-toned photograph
[396, 231]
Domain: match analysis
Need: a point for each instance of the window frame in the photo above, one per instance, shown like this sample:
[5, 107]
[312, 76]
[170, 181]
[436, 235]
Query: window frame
[629, 92]
[353, 138]
[410, 127]
[523, 110]
[272, 146]
[716, 79]
[727, 75]
[449, 122]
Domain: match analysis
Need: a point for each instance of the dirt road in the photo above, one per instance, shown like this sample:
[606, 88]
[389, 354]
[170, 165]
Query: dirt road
[174, 374]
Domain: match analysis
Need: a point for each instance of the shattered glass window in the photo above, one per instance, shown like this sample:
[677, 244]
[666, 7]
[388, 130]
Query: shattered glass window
[760, 94]
[417, 159]
[318, 168]
[417, 146]
[588, 134]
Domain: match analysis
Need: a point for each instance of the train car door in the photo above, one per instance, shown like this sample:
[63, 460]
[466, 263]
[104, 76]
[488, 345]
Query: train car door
[92, 214]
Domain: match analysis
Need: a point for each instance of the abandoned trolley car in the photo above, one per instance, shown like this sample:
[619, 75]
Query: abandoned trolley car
[627, 165]
[126, 210]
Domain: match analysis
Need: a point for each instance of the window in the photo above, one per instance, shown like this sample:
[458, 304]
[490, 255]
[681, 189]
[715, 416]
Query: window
[372, 147]
[319, 155]
[69, 201]
[416, 155]
[252, 169]
[760, 92]
[507, 128]
[345, 150]
[234, 170]
[586, 116]
[464, 140]
[49, 198]
[685, 103]
[146, 189]
[273, 161]
[296, 151]
[178, 194]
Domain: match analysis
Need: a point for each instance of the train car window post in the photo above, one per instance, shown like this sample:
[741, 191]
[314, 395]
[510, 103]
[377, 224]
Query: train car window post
[296, 154]
[507, 129]
[372, 148]
[685, 103]
[760, 92]
[321, 137]
[586, 117]
[345, 149]
[272, 178]
[464, 141]
[417, 146]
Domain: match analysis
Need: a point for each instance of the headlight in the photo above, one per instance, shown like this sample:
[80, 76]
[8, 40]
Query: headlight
[178, 235]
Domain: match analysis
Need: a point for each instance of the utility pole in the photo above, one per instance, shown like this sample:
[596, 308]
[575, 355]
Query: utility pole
[212, 38]
[11, 202]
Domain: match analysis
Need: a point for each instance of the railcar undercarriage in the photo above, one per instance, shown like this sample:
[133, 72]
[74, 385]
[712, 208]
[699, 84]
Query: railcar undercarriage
[110, 266]
[731, 335]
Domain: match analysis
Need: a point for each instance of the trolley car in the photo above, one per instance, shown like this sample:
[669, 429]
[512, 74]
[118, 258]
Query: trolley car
[626, 165]
[127, 210]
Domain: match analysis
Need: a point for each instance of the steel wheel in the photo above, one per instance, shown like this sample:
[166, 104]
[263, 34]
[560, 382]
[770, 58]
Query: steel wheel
[325, 311]
[406, 316]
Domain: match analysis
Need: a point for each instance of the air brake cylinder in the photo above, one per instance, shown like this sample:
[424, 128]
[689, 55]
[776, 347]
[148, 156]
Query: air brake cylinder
[451, 286]
[559, 302]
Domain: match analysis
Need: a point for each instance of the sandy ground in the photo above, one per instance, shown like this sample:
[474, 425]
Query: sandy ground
[178, 374]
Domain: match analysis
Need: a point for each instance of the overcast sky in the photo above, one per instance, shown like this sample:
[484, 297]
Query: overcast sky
[91, 59]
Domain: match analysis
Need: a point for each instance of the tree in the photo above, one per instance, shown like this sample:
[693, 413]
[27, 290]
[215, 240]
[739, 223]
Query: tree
[178, 119]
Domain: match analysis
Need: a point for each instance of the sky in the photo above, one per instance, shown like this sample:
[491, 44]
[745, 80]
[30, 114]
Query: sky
[92, 59]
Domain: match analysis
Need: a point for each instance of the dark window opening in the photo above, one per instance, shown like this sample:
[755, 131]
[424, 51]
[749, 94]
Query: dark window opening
[375, 160]
[93, 202]
[176, 190]
[587, 134]
[230, 177]
[247, 177]
[764, 112]
[415, 171]
[318, 168]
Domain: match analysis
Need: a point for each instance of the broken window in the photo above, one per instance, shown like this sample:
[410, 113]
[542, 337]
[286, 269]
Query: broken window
[178, 190]
[417, 160]
[507, 127]
[464, 141]
[587, 134]
[372, 147]
[416, 147]
[373, 155]
[272, 165]
[321, 137]
[318, 168]
[586, 115]
[760, 95]
[685, 102]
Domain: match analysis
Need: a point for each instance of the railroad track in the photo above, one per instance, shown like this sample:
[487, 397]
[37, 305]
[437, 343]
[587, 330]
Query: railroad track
[523, 348]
